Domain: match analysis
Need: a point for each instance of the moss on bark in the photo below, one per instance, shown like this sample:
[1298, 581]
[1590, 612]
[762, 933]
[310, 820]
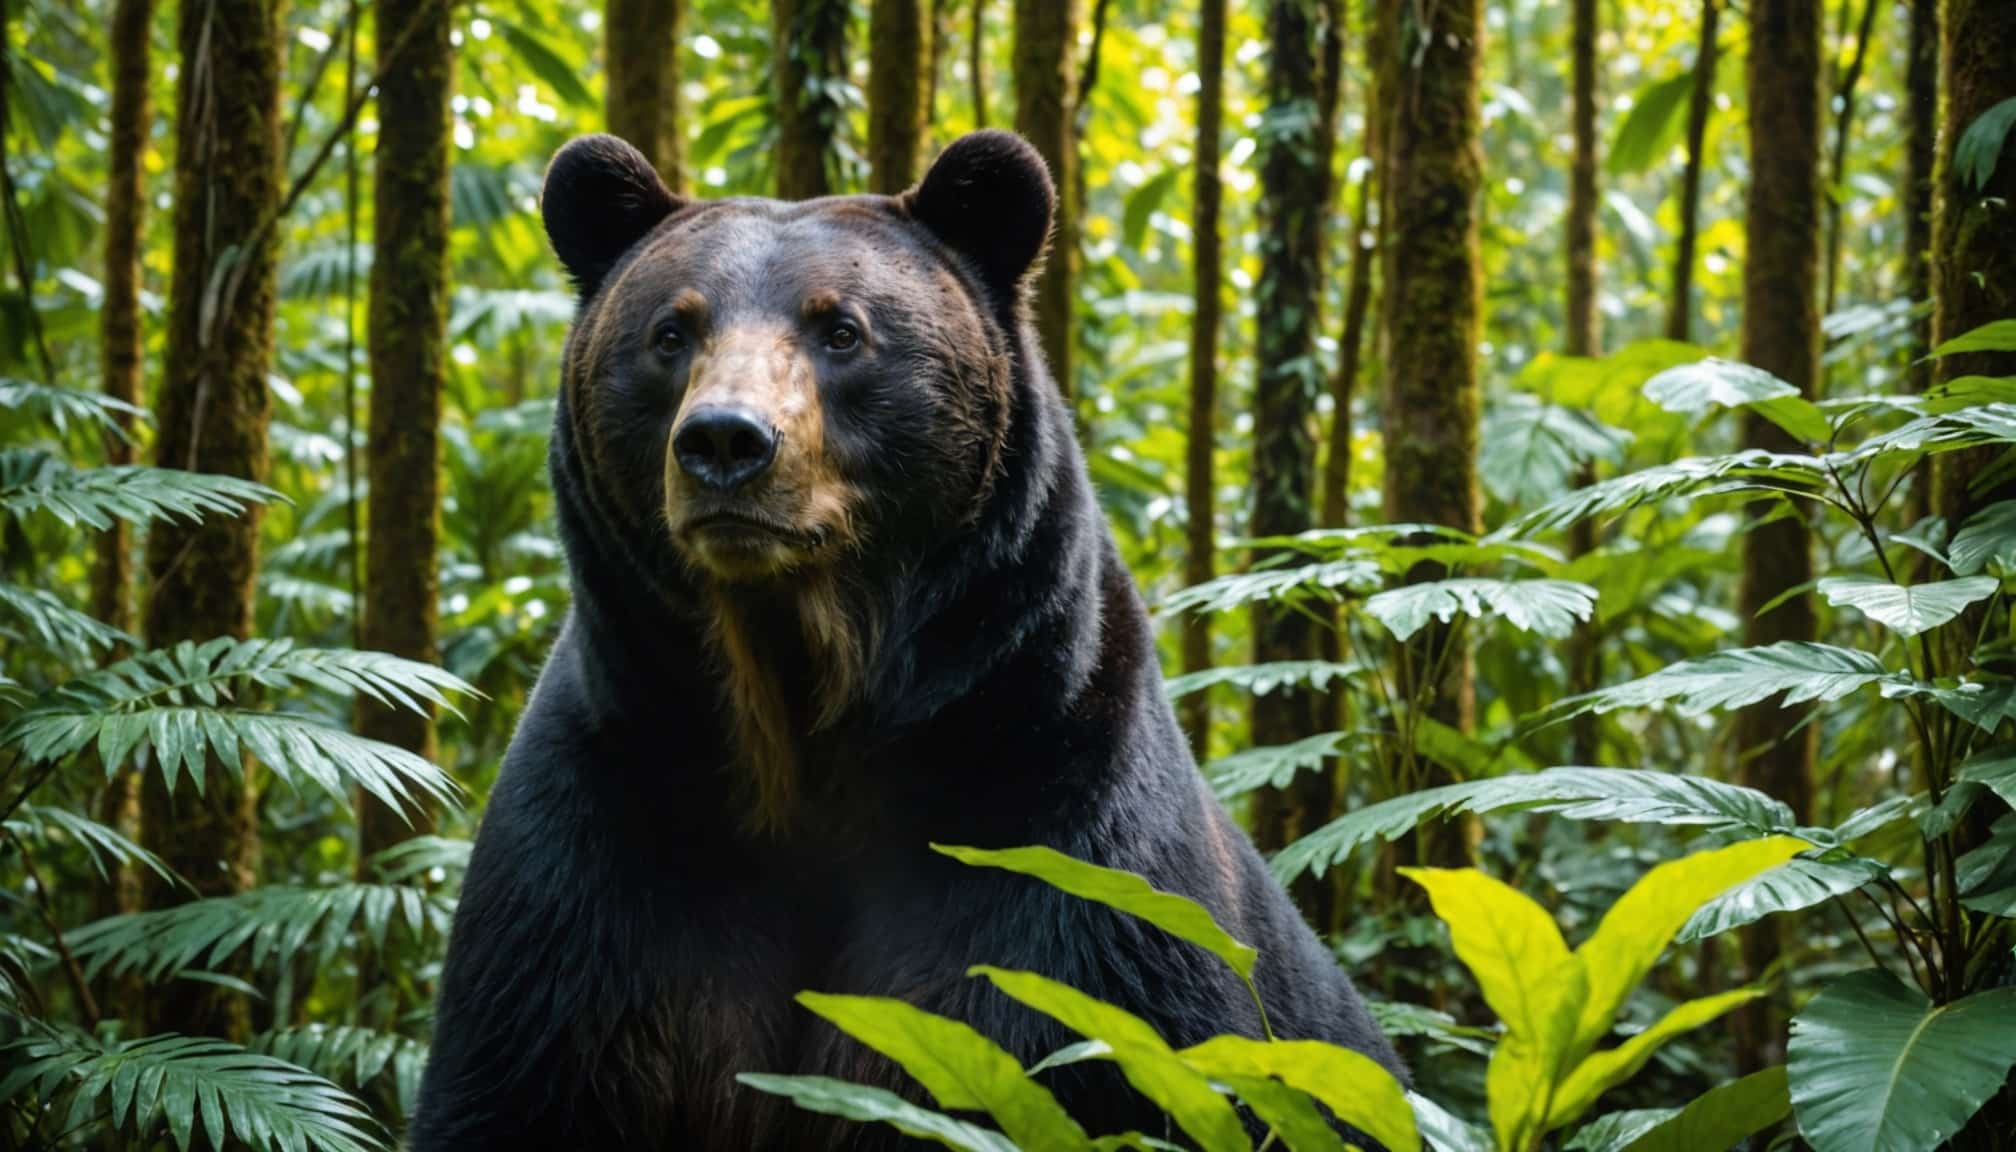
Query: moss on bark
[1046, 40]
[642, 104]
[1200, 473]
[809, 45]
[899, 83]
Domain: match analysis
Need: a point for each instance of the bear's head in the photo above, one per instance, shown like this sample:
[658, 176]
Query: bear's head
[783, 389]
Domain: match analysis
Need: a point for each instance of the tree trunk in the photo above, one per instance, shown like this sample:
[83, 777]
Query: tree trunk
[1292, 211]
[1429, 316]
[942, 14]
[1921, 141]
[976, 62]
[1837, 167]
[1046, 43]
[408, 350]
[1200, 482]
[121, 350]
[899, 67]
[211, 417]
[809, 39]
[1700, 105]
[641, 40]
[1584, 653]
[1781, 334]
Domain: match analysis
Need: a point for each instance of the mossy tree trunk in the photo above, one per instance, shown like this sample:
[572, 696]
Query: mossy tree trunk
[1781, 334]
[1837, 164]
[1921, 141]
[121, 344]
[1580, 337]
[943, 15]
[1200, 481]
[1700, 105]
[899, 71]
[1046, 44]
[976, 62]
[641, 41]
[809, 42]
[1293, 160]
[1431, 289]
[211, 417]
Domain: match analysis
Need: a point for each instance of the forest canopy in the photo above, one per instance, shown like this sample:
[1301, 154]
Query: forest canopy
[1568, 450]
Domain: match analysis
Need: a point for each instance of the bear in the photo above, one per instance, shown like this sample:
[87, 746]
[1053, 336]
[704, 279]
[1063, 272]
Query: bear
[841, 591]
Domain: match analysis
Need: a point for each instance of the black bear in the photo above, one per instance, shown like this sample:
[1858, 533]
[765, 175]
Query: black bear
[841, 590]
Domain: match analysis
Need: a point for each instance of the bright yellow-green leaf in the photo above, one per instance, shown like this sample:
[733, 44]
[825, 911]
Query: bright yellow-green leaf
[1179, 916]
[1527, 1065]
[1290, 1114]
[962, 1069]
[1644, 920]
[1509, 943]
[1604, 1070]
[1145, 1059]
[1350, 1084]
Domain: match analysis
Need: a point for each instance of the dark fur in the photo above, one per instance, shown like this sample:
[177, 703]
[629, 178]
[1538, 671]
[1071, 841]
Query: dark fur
[624, 944]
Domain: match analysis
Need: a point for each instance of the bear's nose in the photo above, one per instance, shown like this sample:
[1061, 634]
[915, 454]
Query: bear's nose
[724, 448]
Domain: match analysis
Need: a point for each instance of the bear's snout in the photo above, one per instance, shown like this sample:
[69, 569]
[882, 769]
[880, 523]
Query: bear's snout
[723, 447]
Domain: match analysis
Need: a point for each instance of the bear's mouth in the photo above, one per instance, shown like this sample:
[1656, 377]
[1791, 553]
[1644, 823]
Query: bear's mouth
[739, 542]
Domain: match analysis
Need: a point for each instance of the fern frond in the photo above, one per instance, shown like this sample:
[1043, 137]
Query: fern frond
[419, 857]
[56, 625]
[352, 1057]
[60, 406]
[146, 1085]
[99, 841]
[32, 481]
[274, 922]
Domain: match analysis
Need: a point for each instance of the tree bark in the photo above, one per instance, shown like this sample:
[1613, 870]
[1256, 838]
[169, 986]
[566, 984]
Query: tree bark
[976, 63]
[1921, 141]
[1200, 482]
[1584, 653]
[943, 13]
[899, 69]
[211, 417]
[1046, 43]
[1431, 272]
[1288, 380]
[408, 350]
[810, 44]
[1781, 334]
[641, 40]
[1837, 167]
[1700, 105]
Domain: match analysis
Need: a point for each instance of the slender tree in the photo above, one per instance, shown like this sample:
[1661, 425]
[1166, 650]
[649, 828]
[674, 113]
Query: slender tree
[1844, 126]
[1363, 251]
[899, 70]
[1429, 312]
[1921, 141]
[1046, 41]
[408, 350]
[1200, 482]
[976, 62]
[1781, 334]
[641, 40]
[943, 14]
[1288, 380]
[810, 44]
[211, 415]
[1580, 335]
[1700, 105]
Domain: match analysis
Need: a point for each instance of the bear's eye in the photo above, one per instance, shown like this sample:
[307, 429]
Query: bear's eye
[843, 337]
[669, 341]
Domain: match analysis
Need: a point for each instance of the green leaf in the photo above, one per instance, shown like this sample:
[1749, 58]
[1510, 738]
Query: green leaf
[95, 497]
[351, 1057]
[963, 1070]
[1144, 1058]
[1296, 585]
[875, 1105]
[1530, 450]
[1548, 607]
[1637, 928]
[1179, 916]
[1981, 145]
[1737, 678]
[1611, 1131]
[1612, 794]
[100, 842]
[135, 1084]
[1141, 206]
[1270, 766]
[1289, 1115]
[1604, 1070]
[1753, 471]
[1696, 388]
[1649, 129]
[1996, 768]
[1987, 874]
[1260, 679]
[544, 63]
[1907, 609]
[1795, 884]
[1720, 1117]
[1352, 1085]
[1989, 534]
[1508, 942]
[1875, 1067]
[1443, 1131]
[61, 406]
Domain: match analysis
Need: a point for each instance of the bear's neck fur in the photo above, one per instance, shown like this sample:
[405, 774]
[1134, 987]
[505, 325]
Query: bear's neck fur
[843, 663]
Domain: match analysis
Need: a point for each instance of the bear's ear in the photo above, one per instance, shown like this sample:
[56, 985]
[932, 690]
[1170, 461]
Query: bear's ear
[988, 197]
[601, 196]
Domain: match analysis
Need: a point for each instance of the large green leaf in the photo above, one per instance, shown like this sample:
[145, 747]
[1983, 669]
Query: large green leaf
[1270, 766]
[1757, 472]
[1907, 610]
[1795, 884]
[35, 481]
[875, 1105]
[1637, 928]
[1260, 679]
[351, 1057]
[963, 1070]
[1445, 1132]
[544, 63]
[1651, 126]
[1612, 1131]
[1737, 678]
[1326, 580]
[1610, 794]
[103, 844]
[1994, 336]
[1715, 1120]
[1987, 874]
[1179, 916]
[1508, 942]
[1980, 147]
[1548, 607]
[61, 406]
[1717, 383]
[143, 1086]
[1989, 534]
[1353, 1086]
[1144, 1058]
[1875, 1067]
[1995, 768]
[1601, 1071]
[1530, 451]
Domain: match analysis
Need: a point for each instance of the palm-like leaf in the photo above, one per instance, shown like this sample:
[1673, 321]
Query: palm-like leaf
[62, 406]
[33, 481]
[142, 1086]
[56, 625]
[1261, 679]
[100, 842]
[352, 1057]
[1763, 472]
[1805, 672]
